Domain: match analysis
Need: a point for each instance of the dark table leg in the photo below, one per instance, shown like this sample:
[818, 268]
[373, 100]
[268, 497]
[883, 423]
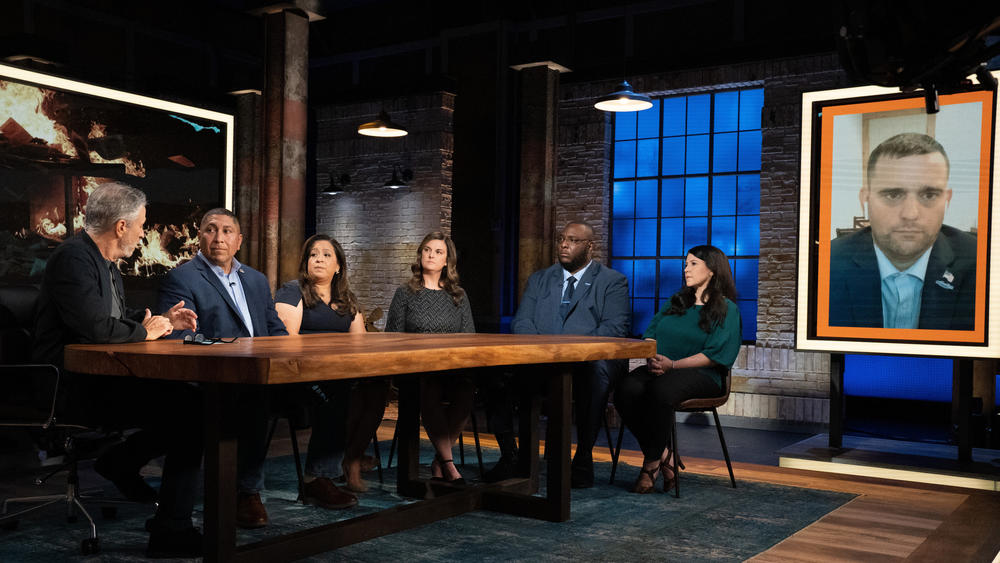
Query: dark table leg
[836, 400]
[961, 407]
[555, 507]
[408, 437]
[220, 471]
[558, 482]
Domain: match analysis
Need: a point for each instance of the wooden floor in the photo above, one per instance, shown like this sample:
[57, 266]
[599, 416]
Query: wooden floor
[888, 521]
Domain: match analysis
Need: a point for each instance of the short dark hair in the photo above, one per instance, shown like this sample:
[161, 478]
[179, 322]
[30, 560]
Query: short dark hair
[903, 145]
[219, 211]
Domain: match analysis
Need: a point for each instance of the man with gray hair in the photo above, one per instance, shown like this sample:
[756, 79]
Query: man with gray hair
[82, 300]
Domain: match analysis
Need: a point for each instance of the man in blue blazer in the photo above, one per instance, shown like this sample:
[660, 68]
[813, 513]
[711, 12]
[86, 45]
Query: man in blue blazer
[234, 300]
[575, 296]
[907, 269]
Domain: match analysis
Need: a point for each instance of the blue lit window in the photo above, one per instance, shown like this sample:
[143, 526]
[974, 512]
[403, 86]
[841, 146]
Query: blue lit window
[687, 172]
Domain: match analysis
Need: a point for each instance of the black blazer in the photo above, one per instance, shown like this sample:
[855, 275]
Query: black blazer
[74, 306]
[948, 297]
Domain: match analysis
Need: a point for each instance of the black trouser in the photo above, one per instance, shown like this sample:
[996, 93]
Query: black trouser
[169, 416]
[646, 402]
[592, 382]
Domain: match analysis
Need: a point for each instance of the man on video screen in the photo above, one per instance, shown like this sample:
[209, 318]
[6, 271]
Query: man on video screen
[907, 269]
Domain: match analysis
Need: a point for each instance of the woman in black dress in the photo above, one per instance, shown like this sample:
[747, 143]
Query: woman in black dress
[321, 301]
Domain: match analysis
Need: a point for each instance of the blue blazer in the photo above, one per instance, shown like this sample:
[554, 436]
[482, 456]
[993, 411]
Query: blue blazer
[948, 297]
[599, 307]
[218, 316]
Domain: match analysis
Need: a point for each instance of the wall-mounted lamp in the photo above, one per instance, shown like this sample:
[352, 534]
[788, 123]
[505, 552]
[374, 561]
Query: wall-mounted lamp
[624, 99]
[337, 184]
[382, 127]
[400, 178]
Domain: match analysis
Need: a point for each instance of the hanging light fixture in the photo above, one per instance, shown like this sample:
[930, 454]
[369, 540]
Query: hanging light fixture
[338, 184]
[400, 179]
[382, 127]
[624, 99]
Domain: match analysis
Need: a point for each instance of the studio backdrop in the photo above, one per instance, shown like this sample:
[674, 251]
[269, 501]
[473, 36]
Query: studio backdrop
[60, 139]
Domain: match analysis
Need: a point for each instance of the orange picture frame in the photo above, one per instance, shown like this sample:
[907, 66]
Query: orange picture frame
[820, 204]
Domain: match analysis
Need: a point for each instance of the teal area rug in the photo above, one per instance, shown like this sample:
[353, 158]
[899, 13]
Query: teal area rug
[710, 522]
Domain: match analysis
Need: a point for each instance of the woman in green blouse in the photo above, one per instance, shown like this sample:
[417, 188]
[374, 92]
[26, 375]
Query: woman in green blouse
[697, 339]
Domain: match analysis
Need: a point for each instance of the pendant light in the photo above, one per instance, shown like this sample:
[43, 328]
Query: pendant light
[382, 127]
[400, 178]
[624, 99]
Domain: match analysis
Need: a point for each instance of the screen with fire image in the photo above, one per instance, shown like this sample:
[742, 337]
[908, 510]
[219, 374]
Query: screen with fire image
[60, 139]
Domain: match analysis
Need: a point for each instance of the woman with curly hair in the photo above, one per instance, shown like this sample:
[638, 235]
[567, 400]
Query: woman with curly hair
[697, 340]
[433, 301]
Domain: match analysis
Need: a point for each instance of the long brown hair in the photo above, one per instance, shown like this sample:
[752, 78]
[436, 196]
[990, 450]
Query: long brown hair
[449, 276]
[720, 287]
[340, 290]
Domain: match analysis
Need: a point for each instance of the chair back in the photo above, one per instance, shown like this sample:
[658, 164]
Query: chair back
[17, 318]
[27, 391]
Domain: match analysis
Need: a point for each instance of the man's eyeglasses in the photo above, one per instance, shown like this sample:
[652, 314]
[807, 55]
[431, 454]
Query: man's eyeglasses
[573, 241]
[206, 341]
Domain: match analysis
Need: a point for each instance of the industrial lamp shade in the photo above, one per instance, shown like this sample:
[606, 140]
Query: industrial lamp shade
[624, 99]
[400, 179]
[382, 127]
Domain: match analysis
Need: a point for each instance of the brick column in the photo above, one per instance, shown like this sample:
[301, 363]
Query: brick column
[538, 109]
[285, 121]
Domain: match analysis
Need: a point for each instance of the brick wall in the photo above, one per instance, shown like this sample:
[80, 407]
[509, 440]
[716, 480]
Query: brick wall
[770, 379]
[379, 227]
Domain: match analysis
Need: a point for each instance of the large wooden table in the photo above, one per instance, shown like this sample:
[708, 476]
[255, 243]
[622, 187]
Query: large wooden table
[292, 359]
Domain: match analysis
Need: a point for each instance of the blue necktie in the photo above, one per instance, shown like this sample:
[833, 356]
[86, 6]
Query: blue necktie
[567, 297]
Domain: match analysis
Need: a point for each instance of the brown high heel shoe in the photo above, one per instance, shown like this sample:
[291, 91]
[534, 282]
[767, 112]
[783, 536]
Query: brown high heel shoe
[644, 488]
[668, 482]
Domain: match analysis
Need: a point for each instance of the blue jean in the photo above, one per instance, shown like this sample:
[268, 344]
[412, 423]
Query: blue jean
[326, 404]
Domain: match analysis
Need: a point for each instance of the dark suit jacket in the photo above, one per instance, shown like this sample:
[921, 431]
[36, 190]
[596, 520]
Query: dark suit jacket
[74, 306]
[599, 307]
[218, 316]
[949, 292]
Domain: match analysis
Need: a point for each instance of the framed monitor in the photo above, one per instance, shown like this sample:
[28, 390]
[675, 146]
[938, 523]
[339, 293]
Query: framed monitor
[60, 139]
[898, 223]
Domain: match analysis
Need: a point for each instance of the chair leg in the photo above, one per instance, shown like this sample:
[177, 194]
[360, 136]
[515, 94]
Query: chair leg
[270, 432]
[725, 450]
[378, 457]
[616, 452]
[392, 445]
[607, 433]
[677, 457]
[479, 449]
[461, 450]
[298, 462]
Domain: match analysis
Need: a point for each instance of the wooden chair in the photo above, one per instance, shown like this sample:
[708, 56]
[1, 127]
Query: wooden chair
[690, 406]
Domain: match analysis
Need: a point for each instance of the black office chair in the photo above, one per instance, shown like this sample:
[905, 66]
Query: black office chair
[690, 405]
[29, 403]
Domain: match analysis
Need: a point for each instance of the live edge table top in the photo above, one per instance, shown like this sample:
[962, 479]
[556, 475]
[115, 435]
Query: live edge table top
[315, 357]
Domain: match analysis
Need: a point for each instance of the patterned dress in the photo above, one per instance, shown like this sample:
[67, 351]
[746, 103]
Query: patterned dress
[428, 310]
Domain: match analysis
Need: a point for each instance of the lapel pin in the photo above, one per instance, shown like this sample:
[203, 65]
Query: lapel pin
[946, 279]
